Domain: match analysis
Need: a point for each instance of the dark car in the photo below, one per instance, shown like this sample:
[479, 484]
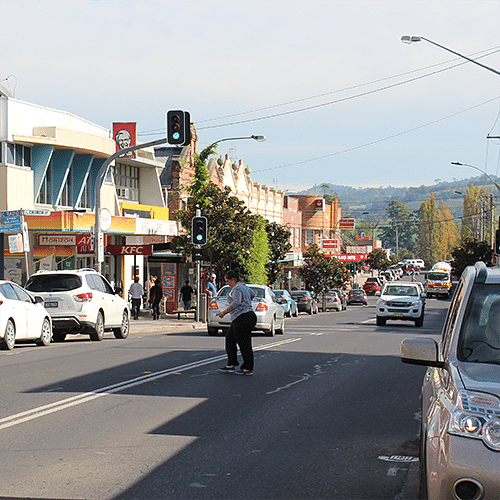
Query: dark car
[305, 301]
[357, 296]
[372, 285]
[342, 297]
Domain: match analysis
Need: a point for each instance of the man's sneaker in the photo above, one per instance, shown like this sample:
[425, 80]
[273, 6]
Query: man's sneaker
[227, 369]
[244, 372]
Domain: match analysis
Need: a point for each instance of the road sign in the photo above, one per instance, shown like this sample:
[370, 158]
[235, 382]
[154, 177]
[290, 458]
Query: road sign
[347, 223]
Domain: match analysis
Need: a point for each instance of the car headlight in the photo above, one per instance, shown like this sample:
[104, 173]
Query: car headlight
[477, 416]
[415, 303]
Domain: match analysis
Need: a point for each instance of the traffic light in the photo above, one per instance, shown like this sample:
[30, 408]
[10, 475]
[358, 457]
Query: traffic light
[497, 241]
[178, 128]
[199, 230]
[196, 255]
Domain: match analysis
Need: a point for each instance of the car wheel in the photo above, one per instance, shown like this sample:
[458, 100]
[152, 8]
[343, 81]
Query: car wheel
[123, 331]
[281, 331]
[98, 332]
[310, 311]
[381, 321]
[422, 466]
[419, 321]
[288, 313]
[212, 331]
[9, 337]
[270, 331]
[296, 313]
[46, 335]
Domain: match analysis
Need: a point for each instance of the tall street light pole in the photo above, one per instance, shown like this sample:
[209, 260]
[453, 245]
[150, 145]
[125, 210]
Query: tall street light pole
[411, 39]
[98, 241]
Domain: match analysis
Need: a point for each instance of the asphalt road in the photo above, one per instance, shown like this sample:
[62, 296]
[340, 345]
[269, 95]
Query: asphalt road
[330, 413]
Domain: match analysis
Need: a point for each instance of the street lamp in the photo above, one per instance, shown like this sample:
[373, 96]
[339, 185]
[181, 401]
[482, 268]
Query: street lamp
[477, 168]
[258, 138]
[411, 39]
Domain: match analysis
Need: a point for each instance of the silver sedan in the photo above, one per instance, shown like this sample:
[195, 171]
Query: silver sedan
[270, 313]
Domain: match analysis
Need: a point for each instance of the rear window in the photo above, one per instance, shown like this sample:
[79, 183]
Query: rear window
[53, 283]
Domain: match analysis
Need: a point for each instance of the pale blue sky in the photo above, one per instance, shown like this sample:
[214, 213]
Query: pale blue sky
[133, 60]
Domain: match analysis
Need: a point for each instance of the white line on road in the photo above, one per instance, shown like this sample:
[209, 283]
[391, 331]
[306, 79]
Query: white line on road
[86, 397]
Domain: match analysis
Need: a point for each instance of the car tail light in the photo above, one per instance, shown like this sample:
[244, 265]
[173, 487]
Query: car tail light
[83, 297]
[283, 299]
[305, 298]
[261, 307]
[213, 305]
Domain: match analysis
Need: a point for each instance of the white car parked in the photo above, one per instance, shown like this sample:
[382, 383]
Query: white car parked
[81, 301]
[22, 317]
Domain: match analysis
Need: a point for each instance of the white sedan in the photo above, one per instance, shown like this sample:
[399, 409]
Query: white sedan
[22, 317]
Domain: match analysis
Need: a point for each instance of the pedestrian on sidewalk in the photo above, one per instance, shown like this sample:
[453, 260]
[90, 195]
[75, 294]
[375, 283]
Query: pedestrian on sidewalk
[186, 296]
[243, 321]
[211, 288]
[136, 292]
[155, 296]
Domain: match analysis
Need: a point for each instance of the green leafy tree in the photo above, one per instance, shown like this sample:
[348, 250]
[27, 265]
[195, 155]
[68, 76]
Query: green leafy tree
[278, 238]
[322, 273]
[475, 205]
[401, 228]
[231, 229]
[470, 252]
[377, 260]
[429, 231]
[255, 266]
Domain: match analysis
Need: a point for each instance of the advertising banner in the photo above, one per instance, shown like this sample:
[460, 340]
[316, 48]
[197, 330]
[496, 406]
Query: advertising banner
[125, 135]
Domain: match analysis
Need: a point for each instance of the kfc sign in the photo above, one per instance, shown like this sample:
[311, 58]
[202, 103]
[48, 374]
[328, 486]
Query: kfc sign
[125, 135]
[129, 249]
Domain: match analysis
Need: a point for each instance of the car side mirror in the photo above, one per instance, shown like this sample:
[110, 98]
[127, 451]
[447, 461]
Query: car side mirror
[377, 293]
[38, 299]
[419, 351]
[118, 290]
[423, 295]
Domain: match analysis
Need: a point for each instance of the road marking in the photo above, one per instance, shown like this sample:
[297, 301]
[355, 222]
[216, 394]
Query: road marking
[398, 458]
[86, 397]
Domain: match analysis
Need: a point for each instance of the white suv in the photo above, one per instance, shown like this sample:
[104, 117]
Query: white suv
[401, 301]
[81, 301]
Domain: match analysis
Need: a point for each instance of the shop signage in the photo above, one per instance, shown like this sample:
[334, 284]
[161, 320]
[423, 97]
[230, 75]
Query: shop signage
[330, 244]
[11, 222]
[57, 240]
[347, 223]
[130, 249]
[351, 257]
[45, 213]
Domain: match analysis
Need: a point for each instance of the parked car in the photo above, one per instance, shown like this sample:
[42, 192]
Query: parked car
[330, 300]
[372, 285]
[305, 301]
[270, 313]
[459, 437]
[342, 296]
[287, 302]
[23, 317]
[401, 301]
[357, 296]
[81, 301]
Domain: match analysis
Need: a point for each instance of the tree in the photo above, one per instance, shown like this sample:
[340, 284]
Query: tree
[468, 253]
[231, 229]
[377, 260]
[402, 226]
[255, 266]
[429, 231]
[278, 238]
[322, 273]
[473, 220]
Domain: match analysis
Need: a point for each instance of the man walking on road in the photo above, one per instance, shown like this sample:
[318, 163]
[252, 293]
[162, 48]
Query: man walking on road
[136, 292]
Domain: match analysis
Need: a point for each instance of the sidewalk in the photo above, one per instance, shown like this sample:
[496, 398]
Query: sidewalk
[167, 322]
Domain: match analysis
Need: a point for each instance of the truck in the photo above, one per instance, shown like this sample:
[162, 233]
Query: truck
[439, 280]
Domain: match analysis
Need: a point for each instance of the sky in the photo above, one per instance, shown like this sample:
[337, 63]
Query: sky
[340, 99]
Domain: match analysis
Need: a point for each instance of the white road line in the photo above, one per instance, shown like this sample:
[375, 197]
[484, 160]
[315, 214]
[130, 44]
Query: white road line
[86, 397]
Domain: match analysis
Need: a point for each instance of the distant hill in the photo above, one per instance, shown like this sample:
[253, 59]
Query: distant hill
[374, 200]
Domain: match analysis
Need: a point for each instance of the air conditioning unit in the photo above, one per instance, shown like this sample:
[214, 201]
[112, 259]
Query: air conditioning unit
[123, 192]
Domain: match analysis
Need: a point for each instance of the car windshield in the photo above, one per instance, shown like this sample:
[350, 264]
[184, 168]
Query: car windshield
[479, 340]
[53, 283]
[438, 277]
[357, 292]
[401, 291]
[298, 295]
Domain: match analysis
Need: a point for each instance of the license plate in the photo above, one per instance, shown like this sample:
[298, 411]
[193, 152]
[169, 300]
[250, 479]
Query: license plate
[397, 315]
[51, 304]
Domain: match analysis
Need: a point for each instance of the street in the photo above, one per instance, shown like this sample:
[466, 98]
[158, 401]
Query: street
[330, 413]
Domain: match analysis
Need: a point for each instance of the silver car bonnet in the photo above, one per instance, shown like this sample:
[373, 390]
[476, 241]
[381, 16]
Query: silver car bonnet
[482, 377]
